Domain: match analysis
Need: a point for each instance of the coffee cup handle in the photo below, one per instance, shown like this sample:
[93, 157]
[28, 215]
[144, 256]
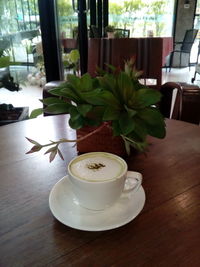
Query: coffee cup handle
[133, 181]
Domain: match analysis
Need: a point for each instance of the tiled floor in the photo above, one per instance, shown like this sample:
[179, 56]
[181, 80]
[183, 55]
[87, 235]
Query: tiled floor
[179, 75]
[30, 95]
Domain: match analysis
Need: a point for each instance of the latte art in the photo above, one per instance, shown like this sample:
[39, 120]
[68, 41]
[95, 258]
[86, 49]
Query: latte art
[97, 167]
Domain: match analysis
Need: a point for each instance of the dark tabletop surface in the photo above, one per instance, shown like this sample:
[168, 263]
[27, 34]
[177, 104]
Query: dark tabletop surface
[165, 233]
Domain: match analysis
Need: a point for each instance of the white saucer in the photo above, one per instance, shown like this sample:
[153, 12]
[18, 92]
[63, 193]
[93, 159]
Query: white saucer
[65, 209]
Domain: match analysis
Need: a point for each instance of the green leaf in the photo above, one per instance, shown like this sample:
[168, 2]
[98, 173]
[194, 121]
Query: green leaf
[93, 97]
[5, 61]
[84, 109]
[108, 82]
[144, 98]
[140, 129]
[108, 98]
[126, 123]
[71, 93]
[58, 108]
[35, 113]
[125, 86]
[74, 56]
[74, 81]
[92, 122]
[131, 112]
[127, 147]
[76, 124]
[74, 114]
[157, 130]
[116, 128]
[58, 92]
[52, 100]
[154, 122]
[151, 116]
[86, 83]
[100, 72]
[111, 114]
[140, 146]
[113, 68]
[96, 113]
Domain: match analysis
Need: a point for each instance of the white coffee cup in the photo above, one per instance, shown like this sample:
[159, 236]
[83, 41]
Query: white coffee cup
[98, 179]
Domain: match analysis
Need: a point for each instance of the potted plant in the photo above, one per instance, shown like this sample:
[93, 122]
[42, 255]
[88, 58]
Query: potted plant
[114, 105]
[110, 31]
[71, 60]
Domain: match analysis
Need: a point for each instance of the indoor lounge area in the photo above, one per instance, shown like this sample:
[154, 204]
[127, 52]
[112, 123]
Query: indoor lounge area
[99, 133]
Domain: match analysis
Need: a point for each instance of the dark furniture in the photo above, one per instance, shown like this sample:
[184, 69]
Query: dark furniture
[122, 33]
[185, 105]
[69, 44]
[166, 232]
[150, 54]
[184, 47]
[10, 114]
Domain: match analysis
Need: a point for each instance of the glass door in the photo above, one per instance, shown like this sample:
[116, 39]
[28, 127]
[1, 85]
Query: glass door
[22, 72]
[73, 21]
[195, 48]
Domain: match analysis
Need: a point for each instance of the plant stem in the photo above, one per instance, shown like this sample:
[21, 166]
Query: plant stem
[105, 124]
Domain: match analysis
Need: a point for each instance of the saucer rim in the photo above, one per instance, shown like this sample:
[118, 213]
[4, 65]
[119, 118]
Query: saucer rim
[94, 229]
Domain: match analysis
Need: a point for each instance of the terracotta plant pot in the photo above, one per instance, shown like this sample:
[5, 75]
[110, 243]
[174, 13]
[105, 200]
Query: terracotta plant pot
[102, 141]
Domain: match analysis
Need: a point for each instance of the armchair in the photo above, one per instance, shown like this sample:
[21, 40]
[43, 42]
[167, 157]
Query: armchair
[184, 47]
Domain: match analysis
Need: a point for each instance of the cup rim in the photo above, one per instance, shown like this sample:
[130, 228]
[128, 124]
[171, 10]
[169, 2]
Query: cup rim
[96, 181]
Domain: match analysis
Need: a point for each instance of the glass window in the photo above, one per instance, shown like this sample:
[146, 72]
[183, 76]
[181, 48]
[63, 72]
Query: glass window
[142, 16]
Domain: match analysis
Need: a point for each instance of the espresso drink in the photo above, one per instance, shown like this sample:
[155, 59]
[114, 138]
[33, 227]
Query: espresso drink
[97, 166]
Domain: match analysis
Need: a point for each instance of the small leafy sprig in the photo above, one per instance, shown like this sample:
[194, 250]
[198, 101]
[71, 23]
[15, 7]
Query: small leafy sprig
[54, 150]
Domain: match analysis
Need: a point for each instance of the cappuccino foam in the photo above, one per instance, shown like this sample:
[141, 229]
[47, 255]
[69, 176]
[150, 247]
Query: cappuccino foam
[97, 167]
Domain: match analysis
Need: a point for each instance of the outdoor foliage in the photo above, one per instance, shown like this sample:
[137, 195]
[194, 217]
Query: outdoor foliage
[137, 15]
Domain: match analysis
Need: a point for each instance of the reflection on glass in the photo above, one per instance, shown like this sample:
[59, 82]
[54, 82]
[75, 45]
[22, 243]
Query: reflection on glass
[142, 16]
[20, 42]
[68, 28]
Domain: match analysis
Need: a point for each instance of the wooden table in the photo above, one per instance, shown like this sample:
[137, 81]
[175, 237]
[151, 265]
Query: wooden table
[165, 233]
